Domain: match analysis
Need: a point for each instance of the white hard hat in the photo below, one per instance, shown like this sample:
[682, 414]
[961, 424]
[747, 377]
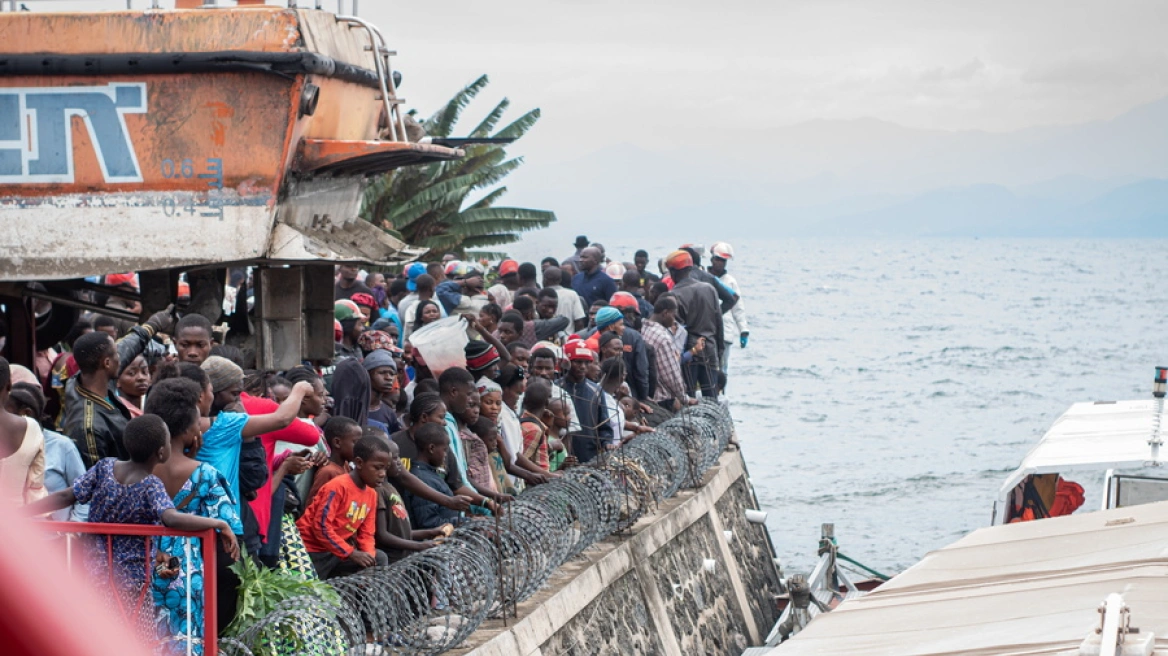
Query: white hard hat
[723, 250]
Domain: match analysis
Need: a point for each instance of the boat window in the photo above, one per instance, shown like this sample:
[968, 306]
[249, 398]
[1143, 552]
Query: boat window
[1044, 495]
[1137, 490]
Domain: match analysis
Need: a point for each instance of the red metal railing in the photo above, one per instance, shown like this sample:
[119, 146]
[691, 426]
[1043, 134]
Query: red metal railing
[148, 532]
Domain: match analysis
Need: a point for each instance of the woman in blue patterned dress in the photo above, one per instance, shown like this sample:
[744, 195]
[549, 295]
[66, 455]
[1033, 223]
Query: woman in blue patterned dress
[196, 488]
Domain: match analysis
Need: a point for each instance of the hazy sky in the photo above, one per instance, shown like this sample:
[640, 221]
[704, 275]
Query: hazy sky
[659, 73]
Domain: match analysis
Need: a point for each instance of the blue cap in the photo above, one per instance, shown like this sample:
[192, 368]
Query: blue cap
[607, 316]
[412, 272]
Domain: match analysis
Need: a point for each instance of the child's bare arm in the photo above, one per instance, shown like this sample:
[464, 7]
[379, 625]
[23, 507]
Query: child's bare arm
[420, 534]
[417, 487]
[185, 522]
[387, 541]
[522, 467]
[58, 500]
[284, 415]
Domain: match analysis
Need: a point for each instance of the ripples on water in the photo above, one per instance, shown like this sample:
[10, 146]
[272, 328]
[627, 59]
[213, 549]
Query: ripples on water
[890, 386]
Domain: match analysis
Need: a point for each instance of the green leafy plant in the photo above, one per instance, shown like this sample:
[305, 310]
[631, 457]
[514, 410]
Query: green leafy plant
[432, 206]
[262, 589]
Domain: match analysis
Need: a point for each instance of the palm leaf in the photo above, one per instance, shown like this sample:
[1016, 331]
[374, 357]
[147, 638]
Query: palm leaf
[429, 205]
[489, 199]
[520, 126]
[487, 124]
[441, 123]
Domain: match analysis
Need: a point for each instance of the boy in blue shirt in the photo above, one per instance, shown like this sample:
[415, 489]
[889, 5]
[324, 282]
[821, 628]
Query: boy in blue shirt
[432, 445]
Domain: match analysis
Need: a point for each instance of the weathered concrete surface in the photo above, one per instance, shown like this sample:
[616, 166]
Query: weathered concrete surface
[750, 550]
[650, 591]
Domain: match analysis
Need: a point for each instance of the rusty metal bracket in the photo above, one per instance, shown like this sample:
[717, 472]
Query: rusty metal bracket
[344, 157]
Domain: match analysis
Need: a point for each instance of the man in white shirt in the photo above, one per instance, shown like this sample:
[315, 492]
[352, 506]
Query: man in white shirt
[569, 304]
[735, 328]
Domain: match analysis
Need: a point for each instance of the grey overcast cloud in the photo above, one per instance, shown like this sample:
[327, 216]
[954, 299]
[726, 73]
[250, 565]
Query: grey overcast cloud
[809, 117]
[658, 74]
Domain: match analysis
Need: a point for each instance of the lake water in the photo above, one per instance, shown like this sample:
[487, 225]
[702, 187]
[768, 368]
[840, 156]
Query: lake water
[889, 386]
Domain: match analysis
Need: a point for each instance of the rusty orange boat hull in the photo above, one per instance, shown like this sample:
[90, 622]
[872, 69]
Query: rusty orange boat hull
[160, 139]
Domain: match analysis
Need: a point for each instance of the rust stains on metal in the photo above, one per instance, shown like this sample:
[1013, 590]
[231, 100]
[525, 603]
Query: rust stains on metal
[263, 29]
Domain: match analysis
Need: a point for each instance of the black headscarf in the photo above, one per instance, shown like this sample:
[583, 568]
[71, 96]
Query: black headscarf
[351, 390]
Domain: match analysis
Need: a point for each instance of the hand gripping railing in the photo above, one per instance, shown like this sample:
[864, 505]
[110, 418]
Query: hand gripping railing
[148, 532]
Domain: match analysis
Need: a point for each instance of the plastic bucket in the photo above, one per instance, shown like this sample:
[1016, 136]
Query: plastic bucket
[442, 343]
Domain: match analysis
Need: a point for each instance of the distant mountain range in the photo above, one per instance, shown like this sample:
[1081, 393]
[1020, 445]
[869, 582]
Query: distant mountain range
[1139, 209]
[869, 177]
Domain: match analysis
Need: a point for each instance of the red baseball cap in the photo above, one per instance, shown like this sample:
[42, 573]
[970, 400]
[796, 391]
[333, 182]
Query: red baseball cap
[577, 349]
[363, 299]
[508, 267]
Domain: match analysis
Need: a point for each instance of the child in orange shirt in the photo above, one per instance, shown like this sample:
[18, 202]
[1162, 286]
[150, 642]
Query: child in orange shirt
[339, 526]
[341, 435]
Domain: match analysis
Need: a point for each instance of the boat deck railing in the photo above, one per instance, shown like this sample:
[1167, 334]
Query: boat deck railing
[101, 546]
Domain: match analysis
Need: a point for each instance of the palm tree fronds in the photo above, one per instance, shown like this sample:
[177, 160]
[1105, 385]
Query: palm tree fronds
[429, 205]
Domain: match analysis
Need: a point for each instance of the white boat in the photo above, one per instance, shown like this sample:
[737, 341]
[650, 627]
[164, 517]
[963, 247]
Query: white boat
[1085, 584]
[1025, 588]
[1117, 441]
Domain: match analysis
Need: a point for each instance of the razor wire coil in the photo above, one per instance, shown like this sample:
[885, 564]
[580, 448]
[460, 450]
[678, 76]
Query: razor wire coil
[433, 600]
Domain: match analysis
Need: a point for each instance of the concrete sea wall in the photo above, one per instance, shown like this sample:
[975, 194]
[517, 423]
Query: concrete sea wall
[693, 578]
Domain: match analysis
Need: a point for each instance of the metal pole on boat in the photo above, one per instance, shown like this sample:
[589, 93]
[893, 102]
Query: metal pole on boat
[1159, 389]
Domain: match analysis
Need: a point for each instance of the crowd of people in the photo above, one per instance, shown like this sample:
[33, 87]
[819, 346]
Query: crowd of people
[326, 469]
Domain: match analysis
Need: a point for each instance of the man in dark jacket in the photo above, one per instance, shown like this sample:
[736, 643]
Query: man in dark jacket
[699, 310]
[726, 296]
[94, 420]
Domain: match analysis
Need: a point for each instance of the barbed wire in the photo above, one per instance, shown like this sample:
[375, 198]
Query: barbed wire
[433, 600]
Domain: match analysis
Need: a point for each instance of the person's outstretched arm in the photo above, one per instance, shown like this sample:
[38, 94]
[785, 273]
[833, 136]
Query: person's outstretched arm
[59, 500]
[472, 323]
[547, 328]
[284, 415]
[418, 488]
[182, 521]
[387, 541]
[523, 467]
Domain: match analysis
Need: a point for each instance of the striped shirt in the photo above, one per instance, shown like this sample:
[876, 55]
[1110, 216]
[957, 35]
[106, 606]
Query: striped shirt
[670, 383]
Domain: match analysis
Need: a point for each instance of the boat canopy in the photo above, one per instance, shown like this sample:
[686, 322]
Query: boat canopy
[1096, 436]
[1031, 587]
